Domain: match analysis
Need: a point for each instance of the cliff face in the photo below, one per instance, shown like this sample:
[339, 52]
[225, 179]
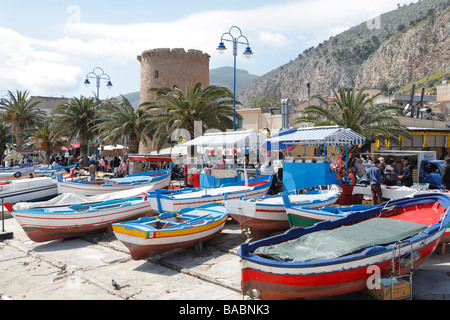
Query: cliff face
[421, 50]
[386, 53]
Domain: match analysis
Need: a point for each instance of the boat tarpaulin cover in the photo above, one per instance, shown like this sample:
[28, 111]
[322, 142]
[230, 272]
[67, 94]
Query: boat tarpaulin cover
[329, 244]
[68, 199]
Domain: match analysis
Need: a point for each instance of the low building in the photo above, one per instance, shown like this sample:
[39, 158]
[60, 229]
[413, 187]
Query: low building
[47, 104]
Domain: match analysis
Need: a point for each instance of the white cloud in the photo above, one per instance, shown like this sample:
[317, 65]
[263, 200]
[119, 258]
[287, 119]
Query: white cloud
[23, 66]
[46, 66]
[274, 38]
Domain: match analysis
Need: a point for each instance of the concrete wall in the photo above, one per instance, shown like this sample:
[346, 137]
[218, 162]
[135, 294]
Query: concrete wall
[255, 119]
[443, 92]
[48, 103]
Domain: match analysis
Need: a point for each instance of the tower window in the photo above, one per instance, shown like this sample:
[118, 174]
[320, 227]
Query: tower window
[156, 74]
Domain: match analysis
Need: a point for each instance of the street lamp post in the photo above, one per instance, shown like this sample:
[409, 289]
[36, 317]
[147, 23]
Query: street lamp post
[248, 52]
[98, 74]
[308, 85]
[94, 74]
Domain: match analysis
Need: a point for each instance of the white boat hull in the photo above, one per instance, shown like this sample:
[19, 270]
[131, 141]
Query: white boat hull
[93, 189]
[28, 190]
[266, 216]
[203, 198]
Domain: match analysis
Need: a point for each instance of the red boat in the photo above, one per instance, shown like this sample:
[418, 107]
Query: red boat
[338, 257]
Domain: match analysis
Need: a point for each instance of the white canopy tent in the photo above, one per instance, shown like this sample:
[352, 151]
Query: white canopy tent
[232, 139]
[178, 150]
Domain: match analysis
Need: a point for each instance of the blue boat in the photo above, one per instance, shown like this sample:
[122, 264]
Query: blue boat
[151, 235]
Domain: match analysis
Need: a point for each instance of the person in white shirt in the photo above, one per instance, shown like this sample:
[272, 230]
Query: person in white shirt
[267, 170]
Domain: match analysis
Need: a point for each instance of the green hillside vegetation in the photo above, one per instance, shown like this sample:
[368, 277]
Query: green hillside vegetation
[429, 82]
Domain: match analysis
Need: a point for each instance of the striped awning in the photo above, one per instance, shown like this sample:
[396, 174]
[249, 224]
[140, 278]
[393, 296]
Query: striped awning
[334, 135]
[249, 138]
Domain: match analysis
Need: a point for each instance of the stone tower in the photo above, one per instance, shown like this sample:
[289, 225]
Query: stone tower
[162, 68]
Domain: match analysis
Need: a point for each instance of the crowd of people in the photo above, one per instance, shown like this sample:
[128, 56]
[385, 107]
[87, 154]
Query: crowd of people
[389, 174]
[8, 163]
[116, 165]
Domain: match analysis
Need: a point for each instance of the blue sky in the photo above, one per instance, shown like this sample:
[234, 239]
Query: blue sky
[48, 47]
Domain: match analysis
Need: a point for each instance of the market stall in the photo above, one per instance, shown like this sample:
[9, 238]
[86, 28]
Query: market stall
[315, 171]
[218, 154]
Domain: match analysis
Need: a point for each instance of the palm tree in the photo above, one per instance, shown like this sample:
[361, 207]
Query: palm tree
[174, 109]
[356, 111]
[77, 119]
[5, 136]
[119, 120]
[21, 112]
[46, 137]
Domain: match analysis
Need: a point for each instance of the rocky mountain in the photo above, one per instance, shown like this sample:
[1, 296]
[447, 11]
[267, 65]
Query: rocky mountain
[385, 53]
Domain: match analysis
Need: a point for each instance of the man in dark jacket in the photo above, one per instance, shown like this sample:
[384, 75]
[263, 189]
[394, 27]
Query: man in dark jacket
[374, 176]
[406, 177]
[446, 174]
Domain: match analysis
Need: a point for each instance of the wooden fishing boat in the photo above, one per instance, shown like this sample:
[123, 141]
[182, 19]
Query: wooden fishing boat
[300, 216]
[17, 173]
[395, 192]
[157, 179]
[174, 200]
[151, 235]
[259, 217]
[35, 189]
[338, 257]
[15, 168]
[58, 222]
[53, 170]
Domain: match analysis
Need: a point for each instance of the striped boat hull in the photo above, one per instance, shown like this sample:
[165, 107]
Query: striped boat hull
[29, 194]
[99, 188]
[263, 218]
[176, 205]
[42, 227]
[300, 218]
[143, 247]
[148, 236]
